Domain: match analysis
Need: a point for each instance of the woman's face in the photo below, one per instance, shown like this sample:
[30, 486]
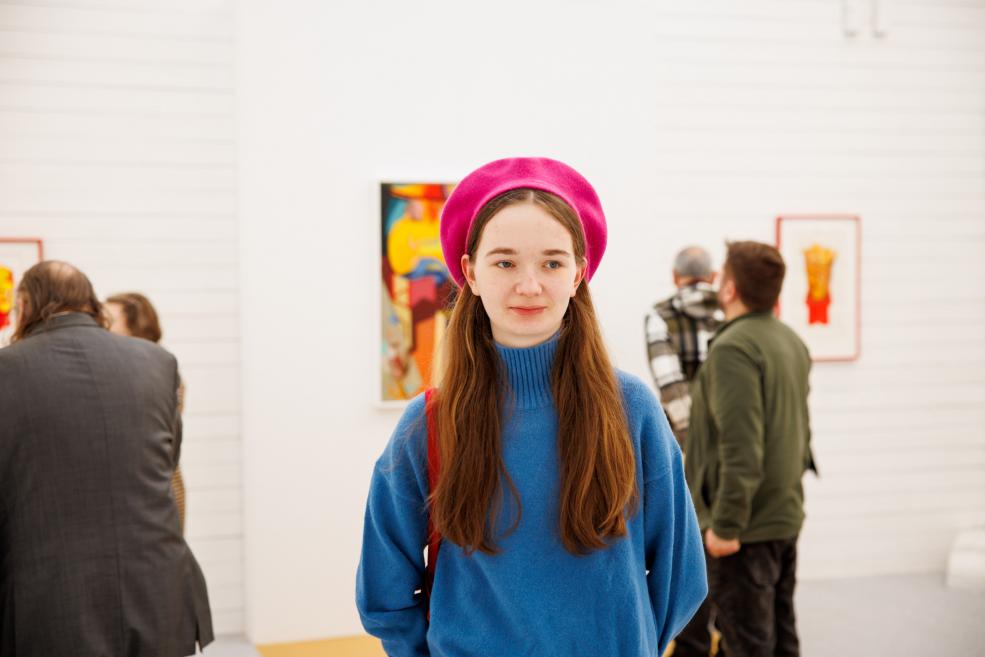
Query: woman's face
[118, 321]
[525, 272]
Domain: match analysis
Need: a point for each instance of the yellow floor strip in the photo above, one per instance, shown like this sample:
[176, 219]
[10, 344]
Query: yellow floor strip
[362, 646]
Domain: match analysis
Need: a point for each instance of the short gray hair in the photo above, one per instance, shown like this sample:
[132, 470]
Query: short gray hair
[693, 262]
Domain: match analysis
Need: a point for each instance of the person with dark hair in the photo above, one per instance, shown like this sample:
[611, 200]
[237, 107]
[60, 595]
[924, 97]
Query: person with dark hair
[748, 446]
[92, 560]
[131, 313]
[546, 483]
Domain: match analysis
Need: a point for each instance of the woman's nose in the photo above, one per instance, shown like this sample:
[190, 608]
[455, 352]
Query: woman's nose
[529, 285]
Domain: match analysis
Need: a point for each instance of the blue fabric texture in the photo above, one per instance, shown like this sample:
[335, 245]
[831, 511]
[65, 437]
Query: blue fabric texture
[533, 598]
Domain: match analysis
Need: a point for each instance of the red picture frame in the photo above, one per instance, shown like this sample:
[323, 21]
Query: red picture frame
[26, 240]
[14, 262]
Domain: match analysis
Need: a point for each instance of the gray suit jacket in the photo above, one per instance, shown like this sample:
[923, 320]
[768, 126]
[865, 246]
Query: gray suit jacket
[92, 560]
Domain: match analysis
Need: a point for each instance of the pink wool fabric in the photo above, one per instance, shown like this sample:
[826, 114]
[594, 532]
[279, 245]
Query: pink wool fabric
[495, 178]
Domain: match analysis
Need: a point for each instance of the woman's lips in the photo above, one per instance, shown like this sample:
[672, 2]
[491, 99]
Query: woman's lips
[526, 311]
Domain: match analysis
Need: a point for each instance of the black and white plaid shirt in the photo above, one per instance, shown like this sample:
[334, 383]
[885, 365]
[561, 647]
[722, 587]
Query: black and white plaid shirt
[677, 333]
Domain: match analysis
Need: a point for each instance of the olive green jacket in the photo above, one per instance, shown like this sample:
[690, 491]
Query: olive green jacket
[749, 439]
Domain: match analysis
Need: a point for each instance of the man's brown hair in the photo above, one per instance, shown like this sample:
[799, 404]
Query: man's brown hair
[50, 288]
[757, 270]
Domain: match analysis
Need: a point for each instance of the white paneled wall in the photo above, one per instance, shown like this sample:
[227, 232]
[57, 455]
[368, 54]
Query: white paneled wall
[770, 108]
[697, 121]
[117, 147]
[792, 116]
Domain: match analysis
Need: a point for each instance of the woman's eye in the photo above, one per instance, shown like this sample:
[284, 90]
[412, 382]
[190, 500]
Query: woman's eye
[553, 264]
[504, 264]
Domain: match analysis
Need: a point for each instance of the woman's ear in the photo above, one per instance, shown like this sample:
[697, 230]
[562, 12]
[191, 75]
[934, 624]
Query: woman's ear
[579, 277]
[469, 274]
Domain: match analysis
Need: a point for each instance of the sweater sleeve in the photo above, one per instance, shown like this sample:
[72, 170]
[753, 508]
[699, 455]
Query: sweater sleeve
[676, 577]
[391, 566]
[736, 403]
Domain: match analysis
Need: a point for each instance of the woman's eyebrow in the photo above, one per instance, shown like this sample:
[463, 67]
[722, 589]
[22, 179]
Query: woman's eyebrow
[502, 250]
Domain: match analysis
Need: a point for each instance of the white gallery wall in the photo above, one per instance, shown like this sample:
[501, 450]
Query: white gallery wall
[224, 158]
[697, 122]
[117, 149]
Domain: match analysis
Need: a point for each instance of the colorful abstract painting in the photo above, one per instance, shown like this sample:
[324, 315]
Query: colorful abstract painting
[820, 297]
[17, 255]
[416, 287]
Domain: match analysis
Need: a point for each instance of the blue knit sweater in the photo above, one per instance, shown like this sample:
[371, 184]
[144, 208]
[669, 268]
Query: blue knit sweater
[533, 598]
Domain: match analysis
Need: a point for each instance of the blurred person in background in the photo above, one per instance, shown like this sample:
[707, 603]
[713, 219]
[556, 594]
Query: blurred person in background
[677, 333]
[92, 560]
[748, 446]
[131, 313]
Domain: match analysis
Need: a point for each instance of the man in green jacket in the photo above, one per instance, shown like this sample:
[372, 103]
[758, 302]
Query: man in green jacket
[747, 449]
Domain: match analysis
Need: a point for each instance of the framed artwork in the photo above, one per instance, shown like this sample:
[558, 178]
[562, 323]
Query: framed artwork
[17, 255]
[821, 296]
[415, 287]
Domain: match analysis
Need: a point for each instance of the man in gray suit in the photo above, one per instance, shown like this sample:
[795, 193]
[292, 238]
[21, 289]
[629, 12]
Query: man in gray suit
[92, 560]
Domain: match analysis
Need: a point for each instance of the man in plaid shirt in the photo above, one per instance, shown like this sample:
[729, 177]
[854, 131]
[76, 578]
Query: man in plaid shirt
[677, 334]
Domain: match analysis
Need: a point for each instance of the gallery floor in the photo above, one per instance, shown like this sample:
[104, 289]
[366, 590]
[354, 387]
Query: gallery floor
[899, 616]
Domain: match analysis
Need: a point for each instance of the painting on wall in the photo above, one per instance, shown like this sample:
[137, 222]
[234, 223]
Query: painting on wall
[17, 255]
[416, 287]
[821, 296]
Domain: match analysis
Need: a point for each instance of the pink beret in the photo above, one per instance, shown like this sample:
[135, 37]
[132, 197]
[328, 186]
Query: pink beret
[495, 178]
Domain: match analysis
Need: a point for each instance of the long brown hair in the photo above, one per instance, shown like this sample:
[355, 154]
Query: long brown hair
[595, 454]
[140, 316]
[52, 287]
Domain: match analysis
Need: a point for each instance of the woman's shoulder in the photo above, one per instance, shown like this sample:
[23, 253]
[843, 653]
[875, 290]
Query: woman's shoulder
[411, 427]
[404, 460]
[638, 396]
[414, 413]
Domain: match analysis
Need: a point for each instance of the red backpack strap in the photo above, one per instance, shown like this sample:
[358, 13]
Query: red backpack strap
[434, 466]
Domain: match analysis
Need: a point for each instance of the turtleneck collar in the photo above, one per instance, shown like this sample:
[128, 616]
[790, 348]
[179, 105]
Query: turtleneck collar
[529, 372]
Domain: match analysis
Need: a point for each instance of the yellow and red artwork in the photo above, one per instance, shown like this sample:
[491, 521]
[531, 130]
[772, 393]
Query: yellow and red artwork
[17, 255]
[6, 295]
[821, 297]
[416, 286]
[818, 260]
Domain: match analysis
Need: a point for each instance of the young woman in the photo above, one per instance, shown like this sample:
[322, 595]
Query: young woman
[566, 526]
[131, 313]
